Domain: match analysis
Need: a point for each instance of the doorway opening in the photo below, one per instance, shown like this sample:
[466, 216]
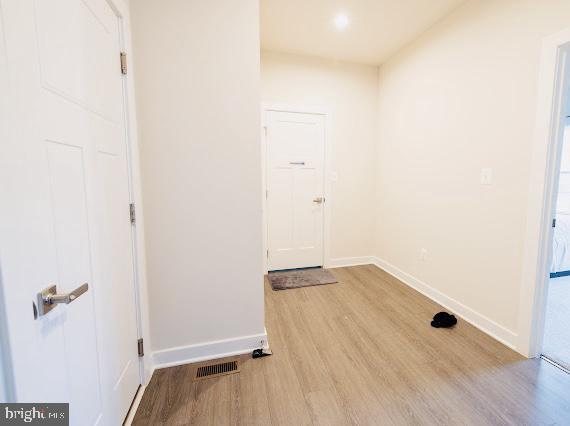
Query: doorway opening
[547, 253]
[556, 338]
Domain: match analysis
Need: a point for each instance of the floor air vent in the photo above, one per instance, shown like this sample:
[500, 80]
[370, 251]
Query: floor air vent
[216, 370]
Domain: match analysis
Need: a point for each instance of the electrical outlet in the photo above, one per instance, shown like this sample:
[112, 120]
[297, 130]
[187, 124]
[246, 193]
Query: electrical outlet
[423, 254]
[486, 176]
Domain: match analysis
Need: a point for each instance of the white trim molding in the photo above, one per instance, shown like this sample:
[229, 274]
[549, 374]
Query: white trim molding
[135, 190]
[548, 140]
[209, 350]
[342, 262]
[498, 332]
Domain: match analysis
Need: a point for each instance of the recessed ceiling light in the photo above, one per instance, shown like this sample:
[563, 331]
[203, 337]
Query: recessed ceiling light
[341, 21]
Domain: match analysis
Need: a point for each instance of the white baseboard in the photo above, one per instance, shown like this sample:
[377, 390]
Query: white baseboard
[341, 262]
[486, 325]
[208, 350]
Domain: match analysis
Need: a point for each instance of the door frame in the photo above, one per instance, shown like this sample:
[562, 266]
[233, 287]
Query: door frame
[327, 172]
[553, 88]
[121, 10]
[146, 366]
[6, 379]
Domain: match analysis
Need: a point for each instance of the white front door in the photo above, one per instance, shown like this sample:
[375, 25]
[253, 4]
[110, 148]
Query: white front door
[295, 189]
[64, 208]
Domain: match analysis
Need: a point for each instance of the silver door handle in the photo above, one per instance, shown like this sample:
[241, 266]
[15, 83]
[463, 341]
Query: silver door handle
[49, 299]
[319, 200]
[297, 163]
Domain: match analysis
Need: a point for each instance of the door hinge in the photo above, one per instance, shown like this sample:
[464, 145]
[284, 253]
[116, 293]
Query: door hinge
[266, 194]
[554, 223]
[123, 63]
[268, 253]
[132, 213]
[140, 347]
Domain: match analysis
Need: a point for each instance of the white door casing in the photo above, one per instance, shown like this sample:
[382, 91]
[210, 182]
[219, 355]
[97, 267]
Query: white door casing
[553, 84]
[295, 163]
[64, 208]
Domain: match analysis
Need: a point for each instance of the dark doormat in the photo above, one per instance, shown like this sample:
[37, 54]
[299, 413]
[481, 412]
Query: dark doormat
[296, 278]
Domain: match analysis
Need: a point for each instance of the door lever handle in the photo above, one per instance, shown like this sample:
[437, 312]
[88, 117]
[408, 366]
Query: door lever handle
[49, 299]
[66, 298]
[319, 200]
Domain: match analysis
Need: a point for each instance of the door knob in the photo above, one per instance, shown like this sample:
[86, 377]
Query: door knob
[319, 200]
[49, 299]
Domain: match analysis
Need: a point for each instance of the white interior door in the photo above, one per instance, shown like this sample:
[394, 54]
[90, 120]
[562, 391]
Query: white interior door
[295, 189]
[64, 216]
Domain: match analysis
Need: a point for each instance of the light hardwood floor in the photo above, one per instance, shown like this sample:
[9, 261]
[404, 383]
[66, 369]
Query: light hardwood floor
[362, 352]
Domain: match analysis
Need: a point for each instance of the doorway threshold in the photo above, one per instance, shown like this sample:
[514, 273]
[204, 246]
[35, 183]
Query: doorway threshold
[554, 363]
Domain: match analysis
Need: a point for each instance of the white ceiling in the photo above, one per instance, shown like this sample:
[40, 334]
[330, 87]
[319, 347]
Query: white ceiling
[378, 28]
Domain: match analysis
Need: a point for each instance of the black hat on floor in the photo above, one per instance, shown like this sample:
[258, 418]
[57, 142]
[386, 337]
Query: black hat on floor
[443, 320]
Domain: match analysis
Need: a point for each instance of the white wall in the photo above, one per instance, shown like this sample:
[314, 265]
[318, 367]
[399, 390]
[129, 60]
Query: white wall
[349, 91]
[197, 82]
[460, 98]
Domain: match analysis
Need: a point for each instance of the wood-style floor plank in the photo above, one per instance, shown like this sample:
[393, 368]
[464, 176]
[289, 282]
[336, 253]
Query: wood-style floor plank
[362, 352]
